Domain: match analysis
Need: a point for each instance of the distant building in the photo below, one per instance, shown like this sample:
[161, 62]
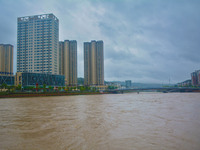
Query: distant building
[195, 77]
[93, 63]
[6, 60]
[68, 61]
[113, 84]
[128, 83]
[31, 79]
[185, 83]
[198, 77]
[37, 44]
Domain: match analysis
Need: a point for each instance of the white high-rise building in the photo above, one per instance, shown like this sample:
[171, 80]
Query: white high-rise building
[38, 44]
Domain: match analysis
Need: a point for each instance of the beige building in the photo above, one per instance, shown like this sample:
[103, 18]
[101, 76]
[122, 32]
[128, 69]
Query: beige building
[93, 63]
[6, 60]
[68, 61]
[18, 78]
[38, 44]
[61, 58]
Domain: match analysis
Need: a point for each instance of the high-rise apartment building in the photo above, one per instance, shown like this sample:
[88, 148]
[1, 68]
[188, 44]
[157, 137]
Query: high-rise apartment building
[61, 58]
[68, 61]
[93, 63]
[38, 44]
[6, 59]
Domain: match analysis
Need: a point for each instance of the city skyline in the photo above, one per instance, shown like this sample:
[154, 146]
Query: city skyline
[144, 41]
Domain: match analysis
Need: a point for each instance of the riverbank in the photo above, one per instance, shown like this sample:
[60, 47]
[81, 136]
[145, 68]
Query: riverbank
[18, 95]
[43, 94]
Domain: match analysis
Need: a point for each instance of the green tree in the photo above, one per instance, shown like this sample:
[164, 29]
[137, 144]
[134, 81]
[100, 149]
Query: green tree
[30, 88]
[59, 88]
[87, 88]
[50, 88]
[19, 87]
[9, 88]
[93, 89]
[12, 87]
[44, 87]
[112, 87]
[4, 85]
[82, 88]
[1, 87]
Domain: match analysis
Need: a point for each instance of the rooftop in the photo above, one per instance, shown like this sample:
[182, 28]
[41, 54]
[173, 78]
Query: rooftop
[37, 17]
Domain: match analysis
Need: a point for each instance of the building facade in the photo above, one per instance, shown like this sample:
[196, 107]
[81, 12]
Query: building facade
[61, 58]
[68, 61]
[6, 60]
[198, 77]
[93, 63]
[128, 83]
[38, 44]
[8, 80]
[186, 83]
[195, 77]
[33, 79]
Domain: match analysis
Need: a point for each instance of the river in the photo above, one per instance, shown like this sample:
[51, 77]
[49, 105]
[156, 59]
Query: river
[145, 121]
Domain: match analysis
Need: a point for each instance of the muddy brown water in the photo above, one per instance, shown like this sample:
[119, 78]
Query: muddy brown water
[145, 121]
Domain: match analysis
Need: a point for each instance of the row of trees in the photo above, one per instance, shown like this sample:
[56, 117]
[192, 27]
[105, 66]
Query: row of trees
[192, 86]
[45, 88]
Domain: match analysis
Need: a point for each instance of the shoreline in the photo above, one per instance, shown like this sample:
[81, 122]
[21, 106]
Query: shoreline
[20, 95]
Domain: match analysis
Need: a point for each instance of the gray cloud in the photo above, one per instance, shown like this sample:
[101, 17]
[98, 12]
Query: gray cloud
[145, 41]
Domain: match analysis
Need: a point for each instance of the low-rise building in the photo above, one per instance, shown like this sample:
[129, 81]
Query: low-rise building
[8, 80]
[99, 87]
[33, 79]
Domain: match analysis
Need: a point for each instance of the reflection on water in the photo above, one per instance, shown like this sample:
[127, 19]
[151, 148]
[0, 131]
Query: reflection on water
[150, 121]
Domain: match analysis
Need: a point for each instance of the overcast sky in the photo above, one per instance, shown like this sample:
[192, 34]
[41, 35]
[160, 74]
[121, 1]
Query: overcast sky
[145, 41]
